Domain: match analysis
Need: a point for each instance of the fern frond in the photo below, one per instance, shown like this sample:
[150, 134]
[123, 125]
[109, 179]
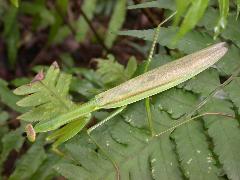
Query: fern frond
[127, 141]
[233, 90]
[225, 134]
[29, 163]
[176, 102]
[11, 140]
[46, 94]
[111, 73]
[198, 83]
[192, 147]
[191, 143]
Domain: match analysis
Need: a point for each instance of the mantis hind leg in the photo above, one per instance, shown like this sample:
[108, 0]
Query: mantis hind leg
[89, 131]
[113, 114]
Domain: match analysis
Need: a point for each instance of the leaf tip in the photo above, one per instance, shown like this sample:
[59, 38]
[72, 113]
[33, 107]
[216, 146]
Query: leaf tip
[16, 91]
[19, 117]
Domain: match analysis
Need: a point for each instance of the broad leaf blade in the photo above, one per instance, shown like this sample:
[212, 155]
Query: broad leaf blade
[222, 21]
[29, 163]
[116, 22]
[192, 17]
[81, 25]
[225, 134]
[131, 149]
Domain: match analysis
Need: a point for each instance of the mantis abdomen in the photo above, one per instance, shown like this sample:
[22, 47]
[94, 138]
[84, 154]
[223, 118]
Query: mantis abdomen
[162, 78]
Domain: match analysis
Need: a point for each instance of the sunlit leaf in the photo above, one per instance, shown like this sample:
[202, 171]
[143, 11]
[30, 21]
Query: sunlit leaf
[222, 21]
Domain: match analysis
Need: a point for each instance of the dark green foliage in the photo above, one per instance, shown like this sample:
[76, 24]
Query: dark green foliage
[130, 148]
[206, 148]
[112, 73]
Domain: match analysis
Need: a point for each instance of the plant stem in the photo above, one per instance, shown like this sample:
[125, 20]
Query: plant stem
[147, 13]
[65, 19]
[99, 39]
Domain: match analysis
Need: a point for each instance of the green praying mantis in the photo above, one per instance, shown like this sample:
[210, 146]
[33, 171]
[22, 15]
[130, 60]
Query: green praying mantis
[140, 87]
[143, 86]
[133, 90]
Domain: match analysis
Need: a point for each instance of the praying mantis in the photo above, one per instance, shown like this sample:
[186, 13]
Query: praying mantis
[136, 89]
[141, 87]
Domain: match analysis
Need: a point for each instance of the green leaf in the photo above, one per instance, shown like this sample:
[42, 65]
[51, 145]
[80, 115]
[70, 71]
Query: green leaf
[20, 81]
[44, 16]
[176, 102]
[63, 4]
[131, 67]
[231, 33]
[196, 159]
[10, 19]
[182, 6]
[13, 140]
[8, 98]
[232, 30]
[238, 8]
[28, 164]
[62, 33]
[3, 116]
[116, 22]
[225, 135]
[222, 21]
[46, 171]
[71, 171]
[192, 147]
[230, 62]
[191, 42]
[47, 94]
[67, 60]
[82, 27]
[194, 14]
[233, 90]
[112, 73]
[83, 87]
[165, 4]
[11, 34]
[15, 3]
[198, 83]
[133, 151]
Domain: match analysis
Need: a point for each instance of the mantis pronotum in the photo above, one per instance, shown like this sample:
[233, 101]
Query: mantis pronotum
[138, 88]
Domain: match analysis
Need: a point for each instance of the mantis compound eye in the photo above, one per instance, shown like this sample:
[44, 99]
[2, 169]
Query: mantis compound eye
[31, 134]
